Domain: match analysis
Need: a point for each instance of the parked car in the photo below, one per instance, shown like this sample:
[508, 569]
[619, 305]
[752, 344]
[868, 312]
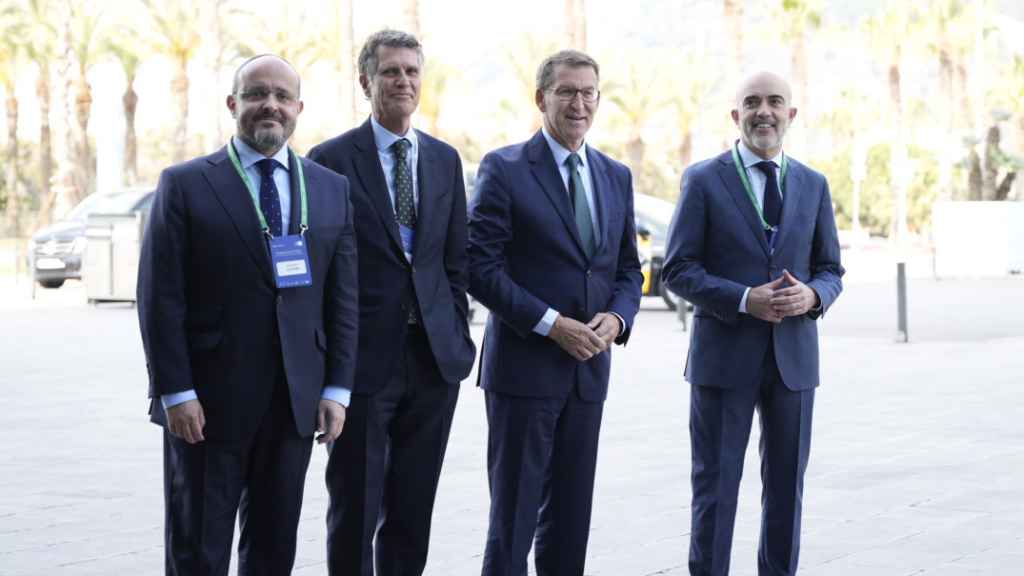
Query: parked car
[653, 216]
[55, 252]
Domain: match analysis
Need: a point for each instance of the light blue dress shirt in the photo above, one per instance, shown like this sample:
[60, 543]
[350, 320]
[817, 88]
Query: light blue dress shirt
[248, 158]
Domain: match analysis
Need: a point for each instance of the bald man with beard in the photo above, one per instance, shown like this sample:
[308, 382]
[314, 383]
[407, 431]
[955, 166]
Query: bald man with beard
[753, 246]
[248, 309]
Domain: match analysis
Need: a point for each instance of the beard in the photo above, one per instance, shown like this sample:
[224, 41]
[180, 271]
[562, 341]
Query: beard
[267, 141]
[765, 141]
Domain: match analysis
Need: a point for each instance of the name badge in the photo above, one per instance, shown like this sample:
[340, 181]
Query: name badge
[290, 258]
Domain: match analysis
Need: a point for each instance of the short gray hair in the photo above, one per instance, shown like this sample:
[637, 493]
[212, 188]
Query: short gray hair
[390, 38]
[570, 58]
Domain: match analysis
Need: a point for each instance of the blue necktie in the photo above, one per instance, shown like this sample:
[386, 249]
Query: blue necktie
[772, 205]
[270, 202]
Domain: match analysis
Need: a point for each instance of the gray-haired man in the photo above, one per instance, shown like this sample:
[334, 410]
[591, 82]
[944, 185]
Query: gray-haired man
[414, 348]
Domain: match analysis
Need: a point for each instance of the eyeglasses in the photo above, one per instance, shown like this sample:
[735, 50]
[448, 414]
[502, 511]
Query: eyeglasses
[589, 95]
[260, 94]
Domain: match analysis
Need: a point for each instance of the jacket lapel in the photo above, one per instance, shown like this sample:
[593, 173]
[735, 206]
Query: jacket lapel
[429, 181]
[295, 218]
[790, 200]
[371, 176]
[734, 187]
[602, 196]
[233, 196]
[542, 164]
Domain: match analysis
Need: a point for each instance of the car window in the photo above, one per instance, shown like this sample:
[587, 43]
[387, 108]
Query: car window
[116, 203]
[82, 210]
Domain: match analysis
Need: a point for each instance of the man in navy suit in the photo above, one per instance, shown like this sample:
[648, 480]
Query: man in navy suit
[248, 312]
[753, 245]
[414, 345]
[552, 250]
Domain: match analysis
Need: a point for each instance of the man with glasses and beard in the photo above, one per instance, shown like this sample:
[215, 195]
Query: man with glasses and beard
[248, 310]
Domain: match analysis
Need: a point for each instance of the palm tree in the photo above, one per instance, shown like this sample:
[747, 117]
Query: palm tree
[41, 47]
[687, 100]
[524, 60]
[950, 26]
[12, 29]
[86, 46]
[290, 36]
[175, 35]
[797, 17]
[637, 100]
[125, 48]
[435, 80]
[576, 24]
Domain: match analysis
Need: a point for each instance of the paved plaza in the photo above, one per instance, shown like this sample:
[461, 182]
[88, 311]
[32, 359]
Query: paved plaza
[917, 459]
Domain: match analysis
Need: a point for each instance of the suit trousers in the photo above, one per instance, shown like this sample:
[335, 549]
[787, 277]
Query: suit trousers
[383, 471]
[261, 479]
[720, 422]
[541, 460]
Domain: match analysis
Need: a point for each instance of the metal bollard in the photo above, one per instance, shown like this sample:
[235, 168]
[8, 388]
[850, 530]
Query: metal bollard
[901, 303]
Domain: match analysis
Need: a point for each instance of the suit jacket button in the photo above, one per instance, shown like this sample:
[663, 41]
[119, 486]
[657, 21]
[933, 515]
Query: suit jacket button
[589, 273]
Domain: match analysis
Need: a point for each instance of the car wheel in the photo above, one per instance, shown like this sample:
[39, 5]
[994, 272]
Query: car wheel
[51, 283]
[670, 298]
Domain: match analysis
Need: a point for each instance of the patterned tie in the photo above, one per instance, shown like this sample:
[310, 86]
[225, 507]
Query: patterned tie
[405, 206]
[772, 205]
[270, 202]
[580, 207]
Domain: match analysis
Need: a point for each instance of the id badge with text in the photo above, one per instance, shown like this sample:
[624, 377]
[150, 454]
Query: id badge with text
[290, 258]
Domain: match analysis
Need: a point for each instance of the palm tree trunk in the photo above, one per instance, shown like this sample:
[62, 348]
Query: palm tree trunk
[990, 165]
[84, 168]
[345, 65]
[576, 24]
[11, 177]
[130, 100]
[45, 141]
[686, 149]
[179, 87]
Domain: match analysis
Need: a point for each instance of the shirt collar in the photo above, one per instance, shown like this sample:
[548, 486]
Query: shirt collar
[750, 158]
[384, 138]
[248, 156]
[561, 152]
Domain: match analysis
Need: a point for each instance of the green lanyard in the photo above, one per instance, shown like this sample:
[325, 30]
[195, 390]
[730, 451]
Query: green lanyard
[742, 171]
[304, 223]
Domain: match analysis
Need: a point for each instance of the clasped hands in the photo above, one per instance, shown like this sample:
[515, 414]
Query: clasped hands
[584, 341]
[785, 296]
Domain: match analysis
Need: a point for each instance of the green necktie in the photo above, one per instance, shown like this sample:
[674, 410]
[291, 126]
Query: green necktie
[578, 195]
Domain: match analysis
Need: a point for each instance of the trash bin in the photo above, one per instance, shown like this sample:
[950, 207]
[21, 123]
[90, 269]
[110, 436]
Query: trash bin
[111, 265]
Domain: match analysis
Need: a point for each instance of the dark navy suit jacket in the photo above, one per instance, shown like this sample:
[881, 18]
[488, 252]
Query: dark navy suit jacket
[525, 256]
[438, 271]
[716, 249]
[211, 317]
